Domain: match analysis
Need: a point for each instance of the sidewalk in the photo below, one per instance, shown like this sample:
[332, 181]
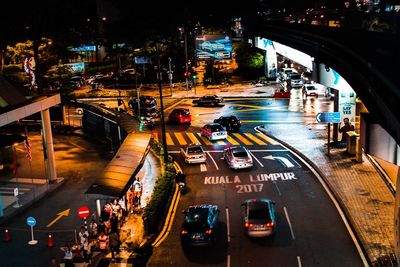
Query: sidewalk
[366, 199]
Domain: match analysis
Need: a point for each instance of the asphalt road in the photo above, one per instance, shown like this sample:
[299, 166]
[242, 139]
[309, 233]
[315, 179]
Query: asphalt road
[310, 231]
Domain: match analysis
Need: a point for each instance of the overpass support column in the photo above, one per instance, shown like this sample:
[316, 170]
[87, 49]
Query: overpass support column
[48, 148]
[397, 218]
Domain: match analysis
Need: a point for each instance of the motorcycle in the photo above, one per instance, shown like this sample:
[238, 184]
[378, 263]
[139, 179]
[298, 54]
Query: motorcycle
[182, 187]
[181, 182]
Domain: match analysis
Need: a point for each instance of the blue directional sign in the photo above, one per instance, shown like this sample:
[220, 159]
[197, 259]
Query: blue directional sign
[328, 117]
[31, 221]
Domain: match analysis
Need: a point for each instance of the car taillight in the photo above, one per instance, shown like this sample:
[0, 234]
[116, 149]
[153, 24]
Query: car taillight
[184, 232]
[271, 224]
[208, 232]
[248, 225]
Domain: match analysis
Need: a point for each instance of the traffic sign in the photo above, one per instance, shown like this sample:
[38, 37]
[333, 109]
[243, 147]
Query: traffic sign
[16, 192]
[83, 212]
[328, 117]
[31, 221]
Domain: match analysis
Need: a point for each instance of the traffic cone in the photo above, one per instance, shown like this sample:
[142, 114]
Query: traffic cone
[50, 242]
[7, 236]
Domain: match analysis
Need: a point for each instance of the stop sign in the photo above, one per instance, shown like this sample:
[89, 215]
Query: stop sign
[83, 212]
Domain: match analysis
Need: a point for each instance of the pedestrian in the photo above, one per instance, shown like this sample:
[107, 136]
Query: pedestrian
[54, 262]
[121, 203]
[83, 233]
[93, 229]
[103, 242]
[87, 250]
[114, 244]
[114, 224]
[101, 227]
[137, 187]
[130, 196]
[68, 257]
[346, 128]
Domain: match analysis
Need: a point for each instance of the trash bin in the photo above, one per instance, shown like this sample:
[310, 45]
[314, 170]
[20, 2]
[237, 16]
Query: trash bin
[351, 142]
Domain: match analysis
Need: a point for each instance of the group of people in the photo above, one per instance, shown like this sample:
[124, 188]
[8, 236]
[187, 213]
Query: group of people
[104, 235]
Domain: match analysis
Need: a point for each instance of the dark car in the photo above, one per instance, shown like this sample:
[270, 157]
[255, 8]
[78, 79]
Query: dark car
[259, 217]
[180, 115]
[200, 225]
[208, 100]
[231, 123]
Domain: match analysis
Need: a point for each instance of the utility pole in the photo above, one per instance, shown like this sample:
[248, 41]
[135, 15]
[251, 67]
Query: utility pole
[186, 58]
[170, 74]
[164, 139]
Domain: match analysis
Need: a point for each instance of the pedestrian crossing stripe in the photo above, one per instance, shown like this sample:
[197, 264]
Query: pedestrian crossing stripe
[235, 139]
[268, 139]
[255, 139]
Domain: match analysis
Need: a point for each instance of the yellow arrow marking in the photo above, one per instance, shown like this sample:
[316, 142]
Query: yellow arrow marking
[59, 215]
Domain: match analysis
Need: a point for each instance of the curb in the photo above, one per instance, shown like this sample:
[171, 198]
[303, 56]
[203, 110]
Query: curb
[329, 186]
[382, 173]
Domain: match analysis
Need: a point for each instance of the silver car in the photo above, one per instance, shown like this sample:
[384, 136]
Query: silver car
[214, 131]
[238, 157]
[193, 153]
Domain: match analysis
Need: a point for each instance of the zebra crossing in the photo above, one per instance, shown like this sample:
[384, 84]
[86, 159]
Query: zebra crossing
[184, 138]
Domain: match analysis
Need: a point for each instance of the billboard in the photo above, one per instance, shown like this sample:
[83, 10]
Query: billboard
[213, 47]
[76, 67]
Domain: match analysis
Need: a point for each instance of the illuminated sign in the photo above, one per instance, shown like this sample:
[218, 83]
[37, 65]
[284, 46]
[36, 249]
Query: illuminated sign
[213, 47]
[76, 67]
[83, 48]
[142, 60]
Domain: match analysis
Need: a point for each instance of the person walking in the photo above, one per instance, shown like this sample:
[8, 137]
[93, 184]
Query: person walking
[137, 187]
[93, 229]
[114, 244]
[103, 242]
[130, 196]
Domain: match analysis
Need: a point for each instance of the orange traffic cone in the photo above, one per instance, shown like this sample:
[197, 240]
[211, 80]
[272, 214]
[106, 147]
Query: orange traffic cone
[7, 236]
[50, 242]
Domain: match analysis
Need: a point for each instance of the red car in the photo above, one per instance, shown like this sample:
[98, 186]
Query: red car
[180, 115]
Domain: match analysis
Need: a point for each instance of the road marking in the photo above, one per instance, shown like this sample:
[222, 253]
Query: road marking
[338, 208]
[193, 138]
[174, 105]
[298, 261]
[285, 162]
[228, 261]
[169, 139]
[205, 140]
[220, 142]
[290, 224]
[216, 166]
[268, 139]
[228, 226]
[203, 167]
[180, 138]
[256, 159]
[232, 141]
[59, 215]
[242, 139]
[255, 139]
[298, 165]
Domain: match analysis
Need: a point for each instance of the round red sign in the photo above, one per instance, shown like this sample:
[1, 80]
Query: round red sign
[83, 212]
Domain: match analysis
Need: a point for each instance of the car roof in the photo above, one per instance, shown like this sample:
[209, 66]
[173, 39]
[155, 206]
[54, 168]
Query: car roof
[256, 201]
[193, 145]
[238, 148]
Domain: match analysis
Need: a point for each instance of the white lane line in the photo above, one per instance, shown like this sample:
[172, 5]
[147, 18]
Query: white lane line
[298, 165]
[216, 166]
[256, 159]
[277, 188]
[338, 208]
[203, 167]
[228, 261]
[298, 261]
[290, 224]
[228, 225]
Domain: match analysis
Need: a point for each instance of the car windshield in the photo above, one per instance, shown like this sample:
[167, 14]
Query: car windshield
[195, 150]
[295, 76]
[216, 128]
[240, 154]
[310, 88]
[185, 112]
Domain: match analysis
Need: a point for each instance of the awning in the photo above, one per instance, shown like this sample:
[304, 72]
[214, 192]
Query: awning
[122, 169]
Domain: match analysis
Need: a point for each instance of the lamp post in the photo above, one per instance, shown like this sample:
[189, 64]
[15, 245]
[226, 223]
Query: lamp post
[170, 74]
[164, 139]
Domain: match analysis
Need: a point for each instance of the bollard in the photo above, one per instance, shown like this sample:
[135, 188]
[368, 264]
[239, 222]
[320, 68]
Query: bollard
[7, 236]
[50, 242]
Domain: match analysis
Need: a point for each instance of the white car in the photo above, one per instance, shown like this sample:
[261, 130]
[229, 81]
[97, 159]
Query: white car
[214, 131]
[238, 157]
[193, 153]
[309, 90]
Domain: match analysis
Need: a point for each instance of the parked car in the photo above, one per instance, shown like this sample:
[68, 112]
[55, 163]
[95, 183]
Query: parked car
[259, 217]
[200, 225]
[180, 115]
[231, 123]
[238, 157]
[208, 100]
[213, 131]
[309, 90]
[193, 153]
[283, 74]
[295, 80]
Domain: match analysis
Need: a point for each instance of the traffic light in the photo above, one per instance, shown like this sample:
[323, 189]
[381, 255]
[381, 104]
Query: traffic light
[187, 74]
[194, 76]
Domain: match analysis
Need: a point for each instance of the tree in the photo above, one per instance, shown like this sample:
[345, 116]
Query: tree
[250, 61]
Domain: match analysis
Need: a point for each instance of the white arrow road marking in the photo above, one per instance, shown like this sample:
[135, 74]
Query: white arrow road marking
[284, 160]
[228, 226]
[256, 159]
[216, 166]
[293, 160]
[298, 261]
[203, 167]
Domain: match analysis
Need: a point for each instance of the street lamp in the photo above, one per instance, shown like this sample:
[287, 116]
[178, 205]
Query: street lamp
[164, 139]
[170, 74]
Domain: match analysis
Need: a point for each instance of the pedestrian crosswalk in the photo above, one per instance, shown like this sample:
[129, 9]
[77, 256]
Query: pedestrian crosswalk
[184, 138]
